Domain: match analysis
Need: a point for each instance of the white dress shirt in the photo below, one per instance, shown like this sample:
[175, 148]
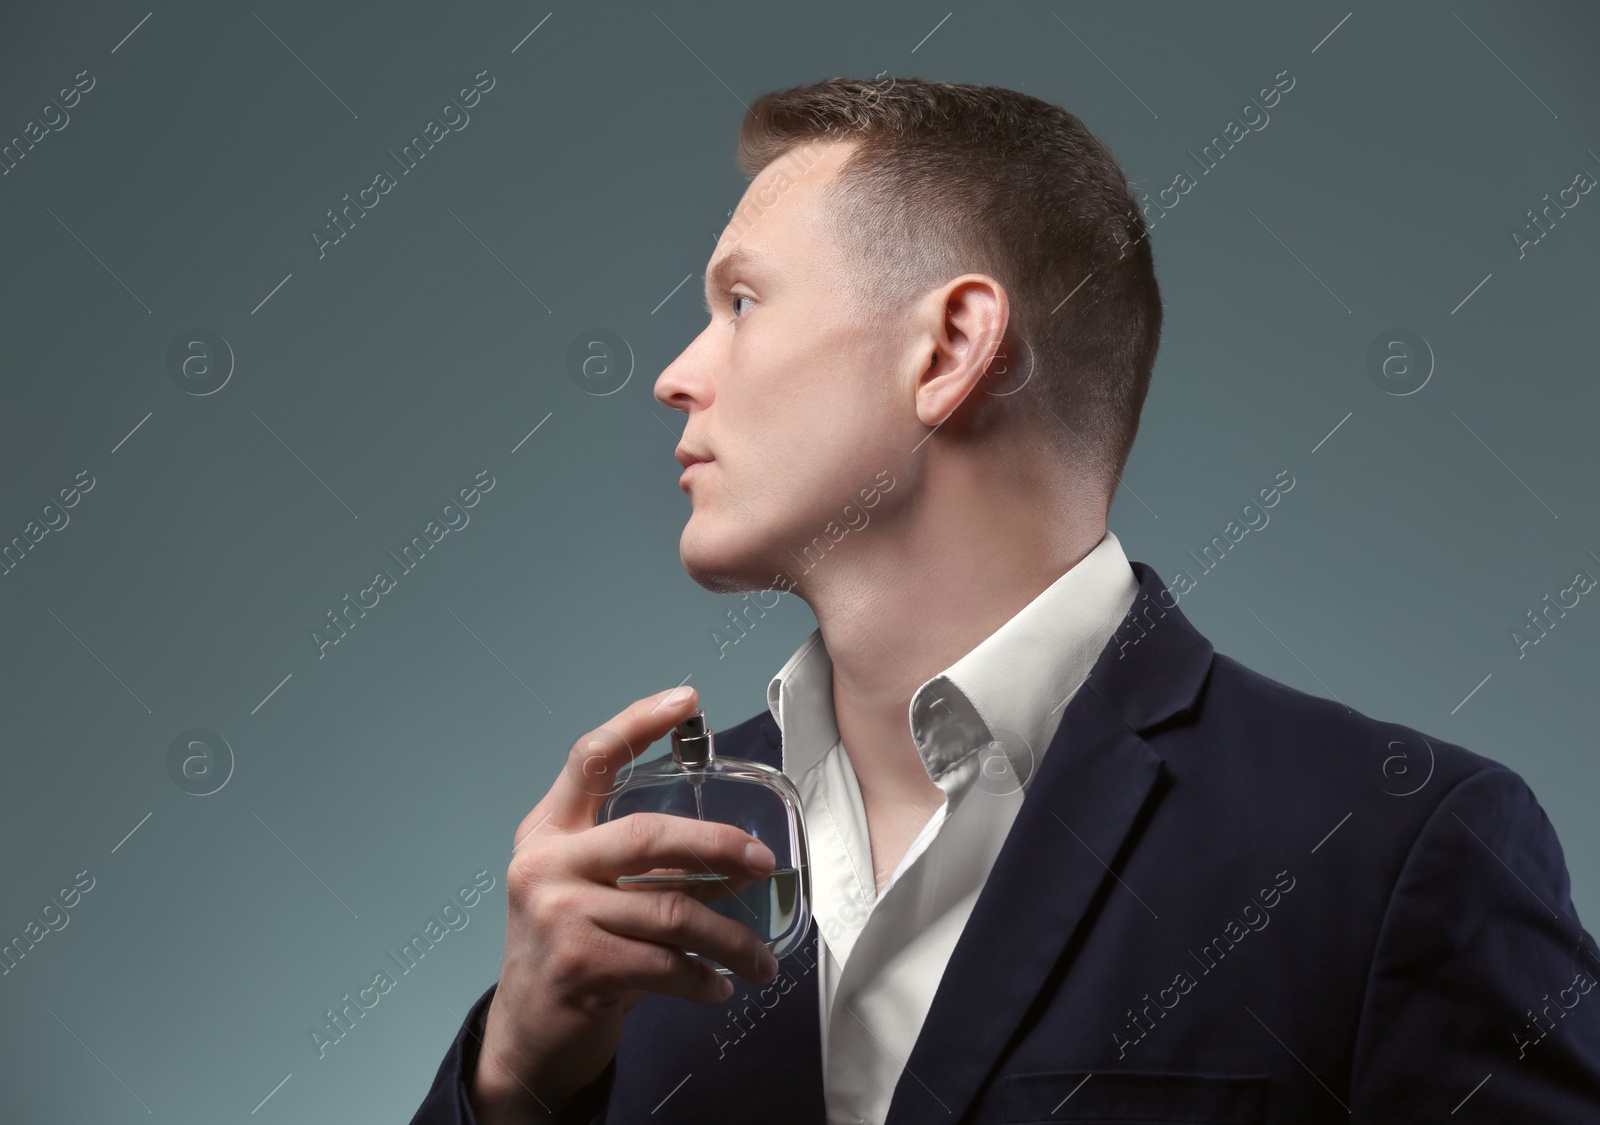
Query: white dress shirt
[981, 727]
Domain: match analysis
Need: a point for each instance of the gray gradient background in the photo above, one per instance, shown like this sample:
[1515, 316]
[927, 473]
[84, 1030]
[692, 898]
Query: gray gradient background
[376, 382]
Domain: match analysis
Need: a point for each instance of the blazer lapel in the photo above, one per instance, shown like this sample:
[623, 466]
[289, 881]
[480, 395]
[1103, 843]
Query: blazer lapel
[1074, 820]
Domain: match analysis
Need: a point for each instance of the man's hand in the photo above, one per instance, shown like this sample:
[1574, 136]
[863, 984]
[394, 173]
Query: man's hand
[581, 951]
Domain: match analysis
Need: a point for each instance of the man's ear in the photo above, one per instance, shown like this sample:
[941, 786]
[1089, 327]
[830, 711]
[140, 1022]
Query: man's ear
[967, 320]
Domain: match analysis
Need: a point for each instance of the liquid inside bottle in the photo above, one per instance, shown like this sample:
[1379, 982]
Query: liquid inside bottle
[697, 783]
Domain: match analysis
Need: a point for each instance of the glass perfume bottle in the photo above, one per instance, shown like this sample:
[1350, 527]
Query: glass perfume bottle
[695, 782]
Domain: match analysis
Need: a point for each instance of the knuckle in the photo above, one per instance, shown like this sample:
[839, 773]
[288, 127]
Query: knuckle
[521, 879]
[549, 906]
[642, 831]
[661, 962]
[528, 870]
[567, 961]
[673, 910]
[587, 758]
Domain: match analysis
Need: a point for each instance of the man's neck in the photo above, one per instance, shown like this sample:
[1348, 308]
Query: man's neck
[897, 608]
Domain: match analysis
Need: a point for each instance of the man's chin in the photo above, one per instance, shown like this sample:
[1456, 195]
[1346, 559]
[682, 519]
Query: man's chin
[720, 569]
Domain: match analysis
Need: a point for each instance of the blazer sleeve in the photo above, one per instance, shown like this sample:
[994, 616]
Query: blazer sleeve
[1481, 1003]
[447, 1102]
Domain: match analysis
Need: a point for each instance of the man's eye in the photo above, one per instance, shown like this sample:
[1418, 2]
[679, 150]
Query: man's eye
[734, 300]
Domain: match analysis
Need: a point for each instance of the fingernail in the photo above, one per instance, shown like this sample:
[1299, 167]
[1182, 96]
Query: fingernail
[676, 696]
[769, 965]
[724, 988]
[759, 856]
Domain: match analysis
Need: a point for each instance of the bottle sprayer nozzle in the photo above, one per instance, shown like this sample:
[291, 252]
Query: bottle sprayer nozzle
[691, 741]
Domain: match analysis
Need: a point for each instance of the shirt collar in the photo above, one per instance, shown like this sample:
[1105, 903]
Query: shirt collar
[1008, 690]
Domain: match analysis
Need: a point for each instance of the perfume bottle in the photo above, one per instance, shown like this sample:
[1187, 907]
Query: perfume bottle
[695, 782]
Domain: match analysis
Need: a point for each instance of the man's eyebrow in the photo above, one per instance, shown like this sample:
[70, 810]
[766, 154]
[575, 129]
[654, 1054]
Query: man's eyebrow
[734, 260]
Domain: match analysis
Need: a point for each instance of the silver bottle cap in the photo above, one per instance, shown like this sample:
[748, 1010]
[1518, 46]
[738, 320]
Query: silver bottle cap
[691, 741]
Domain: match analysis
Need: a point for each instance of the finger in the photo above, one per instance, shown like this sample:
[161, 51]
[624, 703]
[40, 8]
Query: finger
[675, 919]
[632, 968]
[596, 759]
[644, 842]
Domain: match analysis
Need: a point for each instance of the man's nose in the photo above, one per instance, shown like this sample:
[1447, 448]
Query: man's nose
[684, 381]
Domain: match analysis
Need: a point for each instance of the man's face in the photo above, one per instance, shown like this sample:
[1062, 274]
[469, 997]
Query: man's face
[798, 402]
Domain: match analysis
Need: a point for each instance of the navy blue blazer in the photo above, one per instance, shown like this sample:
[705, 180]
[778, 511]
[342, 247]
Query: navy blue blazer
[1222, 900]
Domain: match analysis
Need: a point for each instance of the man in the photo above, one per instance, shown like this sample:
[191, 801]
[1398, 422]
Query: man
[1068, 863]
